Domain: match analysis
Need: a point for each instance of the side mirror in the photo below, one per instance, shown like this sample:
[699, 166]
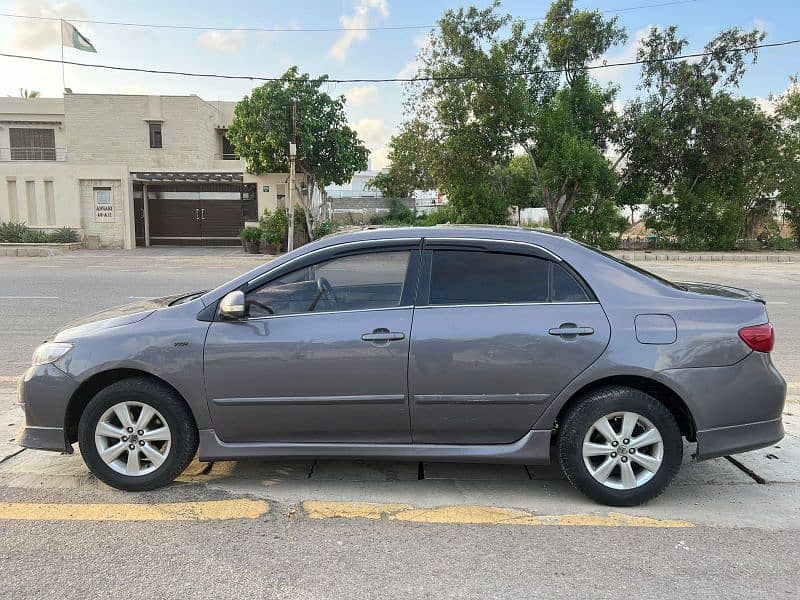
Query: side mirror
[232, 306]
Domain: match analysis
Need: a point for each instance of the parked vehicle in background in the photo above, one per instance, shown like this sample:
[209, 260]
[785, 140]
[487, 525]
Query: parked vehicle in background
[475, 344]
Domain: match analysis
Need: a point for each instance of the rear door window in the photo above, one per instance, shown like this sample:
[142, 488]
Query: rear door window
[463, 277]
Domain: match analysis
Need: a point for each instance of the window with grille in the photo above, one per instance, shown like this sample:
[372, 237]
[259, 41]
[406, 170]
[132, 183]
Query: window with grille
[32, 144]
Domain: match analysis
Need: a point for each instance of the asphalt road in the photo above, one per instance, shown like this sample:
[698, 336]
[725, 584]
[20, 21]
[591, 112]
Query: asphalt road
[716, 533]
[39, 295]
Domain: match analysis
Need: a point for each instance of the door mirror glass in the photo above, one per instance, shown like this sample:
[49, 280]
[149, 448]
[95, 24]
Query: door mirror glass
[232, 305]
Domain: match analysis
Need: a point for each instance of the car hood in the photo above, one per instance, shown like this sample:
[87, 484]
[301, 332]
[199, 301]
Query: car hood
[117, 316]
[725, 291]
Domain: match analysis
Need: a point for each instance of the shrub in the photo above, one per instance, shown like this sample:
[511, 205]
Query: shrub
[65, 235]
[251, 235]
[12, 232]
[273, 226]
[399, 214]
[35, 236]
[441, 215]
[323, 229]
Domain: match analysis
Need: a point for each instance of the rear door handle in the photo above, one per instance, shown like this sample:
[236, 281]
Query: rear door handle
[570, 331]
[383, 336]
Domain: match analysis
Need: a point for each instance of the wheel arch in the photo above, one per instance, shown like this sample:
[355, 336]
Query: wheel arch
[661, 392]
[99, 381]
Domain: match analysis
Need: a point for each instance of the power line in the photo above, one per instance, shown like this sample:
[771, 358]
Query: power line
[487, 76]
[301, 29]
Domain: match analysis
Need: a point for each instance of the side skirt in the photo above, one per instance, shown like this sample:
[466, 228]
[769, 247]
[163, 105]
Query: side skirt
[532, 448]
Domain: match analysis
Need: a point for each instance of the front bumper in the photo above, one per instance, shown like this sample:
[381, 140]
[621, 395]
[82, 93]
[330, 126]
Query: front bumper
[44, 393]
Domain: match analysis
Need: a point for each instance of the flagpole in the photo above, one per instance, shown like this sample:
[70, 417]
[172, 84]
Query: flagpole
[63, 81]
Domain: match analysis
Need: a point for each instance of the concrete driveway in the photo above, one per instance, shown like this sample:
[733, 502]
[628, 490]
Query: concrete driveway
[326, 529]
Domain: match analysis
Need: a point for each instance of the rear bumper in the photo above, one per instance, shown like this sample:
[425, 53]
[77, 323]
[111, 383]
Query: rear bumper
[735, 408]
[721, 441]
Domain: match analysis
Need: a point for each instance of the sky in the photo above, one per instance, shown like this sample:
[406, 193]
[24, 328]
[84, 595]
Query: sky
[374, 110]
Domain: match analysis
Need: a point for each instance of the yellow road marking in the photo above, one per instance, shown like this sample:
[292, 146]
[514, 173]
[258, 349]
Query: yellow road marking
[490, 515]
[215, 510]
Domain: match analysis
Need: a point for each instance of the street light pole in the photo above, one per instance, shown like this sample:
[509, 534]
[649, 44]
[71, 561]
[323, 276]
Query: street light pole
[292, 154]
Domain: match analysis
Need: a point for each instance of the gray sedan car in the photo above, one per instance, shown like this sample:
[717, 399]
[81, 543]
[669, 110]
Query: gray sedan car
[474, 344]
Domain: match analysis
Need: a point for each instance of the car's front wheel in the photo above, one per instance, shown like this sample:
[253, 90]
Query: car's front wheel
[137, 434]
[619, 446]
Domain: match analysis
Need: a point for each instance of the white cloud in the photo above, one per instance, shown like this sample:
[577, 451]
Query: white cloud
[372, 131]
[411, 68]
[34, 35]
[355, 24]
[224, 41]
[363, 94]
[379, 158]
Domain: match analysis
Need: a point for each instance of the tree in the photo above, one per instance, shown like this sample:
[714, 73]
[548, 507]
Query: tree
[328, 150]
[409, 163]
[788, 112]
[498, 85]
[705, 155]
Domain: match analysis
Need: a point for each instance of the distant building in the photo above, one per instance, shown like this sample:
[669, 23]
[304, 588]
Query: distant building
[129, 170]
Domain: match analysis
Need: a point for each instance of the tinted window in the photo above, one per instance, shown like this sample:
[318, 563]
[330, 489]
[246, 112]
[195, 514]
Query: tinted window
[565, 287]
[363, 281]
[485, 278]
[155, 135]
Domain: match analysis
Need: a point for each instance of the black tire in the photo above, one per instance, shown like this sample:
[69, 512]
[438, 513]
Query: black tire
[183, 432]
[579, 418]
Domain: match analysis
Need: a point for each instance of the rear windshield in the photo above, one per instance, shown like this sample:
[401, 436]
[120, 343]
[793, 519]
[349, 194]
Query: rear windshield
[639, 270]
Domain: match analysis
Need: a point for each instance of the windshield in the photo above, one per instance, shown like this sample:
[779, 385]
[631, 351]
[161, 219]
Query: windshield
[639, 270]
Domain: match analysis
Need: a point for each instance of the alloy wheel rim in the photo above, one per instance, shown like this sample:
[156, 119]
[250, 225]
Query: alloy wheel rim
[133, 438]
[623, 450]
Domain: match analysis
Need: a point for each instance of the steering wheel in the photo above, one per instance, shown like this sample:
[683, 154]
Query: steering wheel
[325, 288]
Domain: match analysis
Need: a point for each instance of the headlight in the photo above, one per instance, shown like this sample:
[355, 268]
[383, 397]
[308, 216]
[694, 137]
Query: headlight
[49, 352]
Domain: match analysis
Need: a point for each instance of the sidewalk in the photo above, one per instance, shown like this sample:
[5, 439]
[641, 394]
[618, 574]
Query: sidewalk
[672, 255]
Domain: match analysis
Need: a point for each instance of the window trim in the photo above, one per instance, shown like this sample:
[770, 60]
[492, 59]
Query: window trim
[410, 283]
[160, 125]
[423, 296]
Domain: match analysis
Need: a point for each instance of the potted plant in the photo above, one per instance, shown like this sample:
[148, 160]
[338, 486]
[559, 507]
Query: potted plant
[274, 226]
[251, 237]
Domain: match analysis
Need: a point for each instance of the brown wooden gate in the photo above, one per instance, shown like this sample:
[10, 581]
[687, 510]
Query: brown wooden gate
[200, 214]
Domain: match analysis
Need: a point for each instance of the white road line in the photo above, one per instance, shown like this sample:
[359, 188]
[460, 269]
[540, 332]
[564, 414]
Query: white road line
[28, 297]
[776, 302]
[141, 297]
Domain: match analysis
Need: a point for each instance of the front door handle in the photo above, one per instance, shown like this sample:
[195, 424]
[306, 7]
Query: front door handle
[383, 336]
[570, 331]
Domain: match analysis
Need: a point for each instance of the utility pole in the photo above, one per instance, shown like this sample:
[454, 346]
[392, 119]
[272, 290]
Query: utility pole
[292, 156]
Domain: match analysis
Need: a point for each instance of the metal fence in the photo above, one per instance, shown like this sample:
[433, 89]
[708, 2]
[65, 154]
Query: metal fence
[27, 153]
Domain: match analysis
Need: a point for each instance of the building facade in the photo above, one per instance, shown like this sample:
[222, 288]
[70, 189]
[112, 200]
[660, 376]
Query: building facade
[130, 170]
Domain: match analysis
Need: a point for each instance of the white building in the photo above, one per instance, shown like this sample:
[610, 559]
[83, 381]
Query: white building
[129, 170]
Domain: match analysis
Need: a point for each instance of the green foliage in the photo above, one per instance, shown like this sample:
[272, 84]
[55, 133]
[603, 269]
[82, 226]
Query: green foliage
[327, 148]
[274, 227]
[788, 111]
[251, 235]
[473, 127]
[399, 214]
[440, 216]
[65, 235]
[323, 229]
[598, 224]
[13, 232]
[36, 236]
[410, 158]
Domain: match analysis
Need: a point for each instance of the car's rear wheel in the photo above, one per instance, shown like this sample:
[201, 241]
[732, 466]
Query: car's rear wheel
[137, 434]
[619, 446]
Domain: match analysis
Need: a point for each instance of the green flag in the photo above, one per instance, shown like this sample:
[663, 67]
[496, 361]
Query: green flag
[74, 39]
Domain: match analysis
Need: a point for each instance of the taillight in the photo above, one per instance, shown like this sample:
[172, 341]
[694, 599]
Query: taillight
[760, 338]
